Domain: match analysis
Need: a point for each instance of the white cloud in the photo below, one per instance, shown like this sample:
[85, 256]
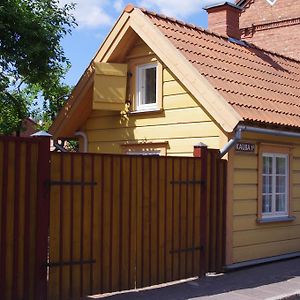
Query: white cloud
[91, 13]
[178, 8]
[119, 5]
[96, 13]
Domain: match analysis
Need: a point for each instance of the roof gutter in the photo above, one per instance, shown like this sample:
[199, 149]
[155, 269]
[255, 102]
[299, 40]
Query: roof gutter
[241, 128]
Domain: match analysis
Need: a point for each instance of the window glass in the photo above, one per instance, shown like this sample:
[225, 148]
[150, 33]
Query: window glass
[267, 165]
[280, 165]
[267, 203]
[267, 184]
[280, 203]
[150, 86]
[280, 184]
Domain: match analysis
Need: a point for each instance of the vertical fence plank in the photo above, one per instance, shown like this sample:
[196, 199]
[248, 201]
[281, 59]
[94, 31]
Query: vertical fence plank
[3, 266]
[133, 233]
[96, 234]
[86, 244]
[16, 220]
[91, 254]
[10, 222]
[71, 232]
[189, 219]
[198, 198]
[53, 292]
[115, 217]
[203, 210]
[33, 213]
[139, 220]
[28, 167]
[213, 211]
[168, 205]
[43, 173]
[1, 198]
[124, 223]
[22, 175]
[65, 224]
[161, 219]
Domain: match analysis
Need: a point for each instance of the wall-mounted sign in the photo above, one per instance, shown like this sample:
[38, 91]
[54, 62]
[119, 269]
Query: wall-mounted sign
[245, 147]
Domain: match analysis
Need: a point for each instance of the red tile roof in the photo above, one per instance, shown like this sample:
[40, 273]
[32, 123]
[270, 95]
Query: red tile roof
[260, 85]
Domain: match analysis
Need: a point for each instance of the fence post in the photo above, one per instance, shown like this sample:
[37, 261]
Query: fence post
[43, 211]
[201, 151]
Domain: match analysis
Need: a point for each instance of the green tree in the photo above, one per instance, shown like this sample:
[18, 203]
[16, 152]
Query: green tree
[32, 60]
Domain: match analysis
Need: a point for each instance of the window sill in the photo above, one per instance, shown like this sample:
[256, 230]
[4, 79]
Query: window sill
[145, 112]
[275, 220]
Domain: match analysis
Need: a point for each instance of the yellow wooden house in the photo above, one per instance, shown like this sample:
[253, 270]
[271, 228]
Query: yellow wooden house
[160, 86]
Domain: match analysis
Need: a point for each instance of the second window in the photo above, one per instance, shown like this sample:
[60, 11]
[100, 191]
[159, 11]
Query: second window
[147, 87]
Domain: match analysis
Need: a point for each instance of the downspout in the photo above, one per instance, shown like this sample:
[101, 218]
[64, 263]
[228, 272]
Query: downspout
[85, 139]
[241, 128]
[232, 142]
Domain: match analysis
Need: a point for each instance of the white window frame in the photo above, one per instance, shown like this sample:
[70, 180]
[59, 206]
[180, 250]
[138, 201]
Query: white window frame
[139, 85]
[274, 213]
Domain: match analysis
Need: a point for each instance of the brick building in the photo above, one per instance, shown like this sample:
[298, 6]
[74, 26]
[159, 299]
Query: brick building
[272, 24]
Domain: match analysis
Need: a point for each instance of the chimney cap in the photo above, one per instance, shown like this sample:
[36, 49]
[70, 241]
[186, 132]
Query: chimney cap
[220, 4]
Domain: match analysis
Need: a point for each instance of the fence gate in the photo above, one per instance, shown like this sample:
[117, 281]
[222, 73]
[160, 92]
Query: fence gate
[122, 222]
[24, 217]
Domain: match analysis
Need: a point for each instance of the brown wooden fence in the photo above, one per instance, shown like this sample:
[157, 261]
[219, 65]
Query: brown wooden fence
[116, 222]
[23, 217]
[125, 222]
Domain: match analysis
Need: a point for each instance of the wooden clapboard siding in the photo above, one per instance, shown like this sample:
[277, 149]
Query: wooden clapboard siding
[187, 115]
[155, 132]
[248, 222]
[182, 122]
[250, 239]
[245, 207]
[178, 146]
[265, 235]
[265, 250]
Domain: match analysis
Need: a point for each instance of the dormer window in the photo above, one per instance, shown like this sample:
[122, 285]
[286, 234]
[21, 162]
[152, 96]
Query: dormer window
[146, 93]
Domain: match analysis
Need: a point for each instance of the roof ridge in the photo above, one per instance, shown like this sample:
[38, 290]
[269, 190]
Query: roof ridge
[130, 7]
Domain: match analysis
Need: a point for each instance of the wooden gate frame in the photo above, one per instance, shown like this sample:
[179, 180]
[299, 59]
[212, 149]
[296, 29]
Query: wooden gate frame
[212, 217]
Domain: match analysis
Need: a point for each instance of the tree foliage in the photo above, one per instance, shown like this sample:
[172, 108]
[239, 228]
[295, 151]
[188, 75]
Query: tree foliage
[32, 60]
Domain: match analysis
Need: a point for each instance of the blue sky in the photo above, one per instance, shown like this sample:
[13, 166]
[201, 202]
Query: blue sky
[95, 18]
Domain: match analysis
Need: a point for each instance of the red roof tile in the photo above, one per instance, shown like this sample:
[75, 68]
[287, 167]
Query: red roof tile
[261, 86]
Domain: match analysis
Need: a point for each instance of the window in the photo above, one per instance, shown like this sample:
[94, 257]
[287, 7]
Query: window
[146, 94]
[275, 184]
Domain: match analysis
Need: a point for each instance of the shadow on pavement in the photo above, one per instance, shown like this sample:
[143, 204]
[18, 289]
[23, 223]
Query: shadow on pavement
[248, 278]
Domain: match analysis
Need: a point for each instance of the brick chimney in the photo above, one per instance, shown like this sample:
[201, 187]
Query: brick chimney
[224, 18]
